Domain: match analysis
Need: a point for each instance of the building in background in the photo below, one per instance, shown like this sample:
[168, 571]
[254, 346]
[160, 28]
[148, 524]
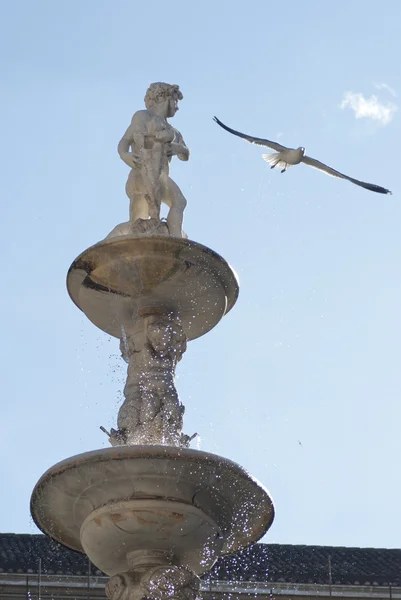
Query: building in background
[33, 567]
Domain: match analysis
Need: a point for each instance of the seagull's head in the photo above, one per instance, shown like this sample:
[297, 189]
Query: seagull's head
[302, 150]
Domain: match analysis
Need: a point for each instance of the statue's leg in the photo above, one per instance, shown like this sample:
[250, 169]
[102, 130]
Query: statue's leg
[138, 208]
[136, 192]
[152, 193]
[174, 198]
[153, 199]
[144, 193]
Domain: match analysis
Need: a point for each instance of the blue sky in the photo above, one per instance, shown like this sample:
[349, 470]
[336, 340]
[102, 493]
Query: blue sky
[311, 352]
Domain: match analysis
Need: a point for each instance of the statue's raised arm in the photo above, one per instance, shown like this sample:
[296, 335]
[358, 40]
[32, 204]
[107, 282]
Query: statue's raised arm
[147, 147]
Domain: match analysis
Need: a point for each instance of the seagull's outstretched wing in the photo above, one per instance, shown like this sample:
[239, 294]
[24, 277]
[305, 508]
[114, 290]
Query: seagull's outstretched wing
[316, 164]
[250, 138]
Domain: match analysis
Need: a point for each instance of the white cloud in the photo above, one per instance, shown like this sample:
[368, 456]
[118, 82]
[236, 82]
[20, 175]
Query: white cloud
[384, 86]
[368, 108]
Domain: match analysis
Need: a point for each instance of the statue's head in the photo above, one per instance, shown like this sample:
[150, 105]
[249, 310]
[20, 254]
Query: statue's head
[159, 93]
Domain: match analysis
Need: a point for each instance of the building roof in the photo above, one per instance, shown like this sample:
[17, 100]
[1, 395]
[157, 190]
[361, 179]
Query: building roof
[312, 564]
[20, 553]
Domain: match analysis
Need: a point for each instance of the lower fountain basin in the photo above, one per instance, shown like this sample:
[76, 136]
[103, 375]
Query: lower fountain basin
[112, 502]
[181, 531]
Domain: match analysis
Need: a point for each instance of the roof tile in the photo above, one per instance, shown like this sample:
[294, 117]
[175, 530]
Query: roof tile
[260, 562]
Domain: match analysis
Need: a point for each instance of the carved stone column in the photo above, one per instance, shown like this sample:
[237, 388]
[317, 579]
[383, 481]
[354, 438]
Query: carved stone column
[152, 577]
[152, 412]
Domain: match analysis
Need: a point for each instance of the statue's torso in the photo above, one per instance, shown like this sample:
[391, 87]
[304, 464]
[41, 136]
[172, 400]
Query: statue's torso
[154, 152]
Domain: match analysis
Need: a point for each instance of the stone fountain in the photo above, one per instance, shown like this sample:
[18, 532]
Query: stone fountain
[149, 511]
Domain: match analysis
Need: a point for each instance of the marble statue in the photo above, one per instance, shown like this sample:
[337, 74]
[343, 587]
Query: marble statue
[147, 147]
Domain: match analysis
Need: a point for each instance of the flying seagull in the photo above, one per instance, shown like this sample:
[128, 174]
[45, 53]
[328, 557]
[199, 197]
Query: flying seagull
[287, 157]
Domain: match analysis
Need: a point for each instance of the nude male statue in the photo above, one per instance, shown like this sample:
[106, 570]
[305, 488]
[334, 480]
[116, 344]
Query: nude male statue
[147, 148]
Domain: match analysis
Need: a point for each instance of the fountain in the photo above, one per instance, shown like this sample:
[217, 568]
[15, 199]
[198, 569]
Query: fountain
[149, 511]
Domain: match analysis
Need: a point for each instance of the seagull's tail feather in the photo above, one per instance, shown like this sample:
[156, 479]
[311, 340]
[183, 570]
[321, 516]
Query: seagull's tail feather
[272, 158]
[275, 160]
